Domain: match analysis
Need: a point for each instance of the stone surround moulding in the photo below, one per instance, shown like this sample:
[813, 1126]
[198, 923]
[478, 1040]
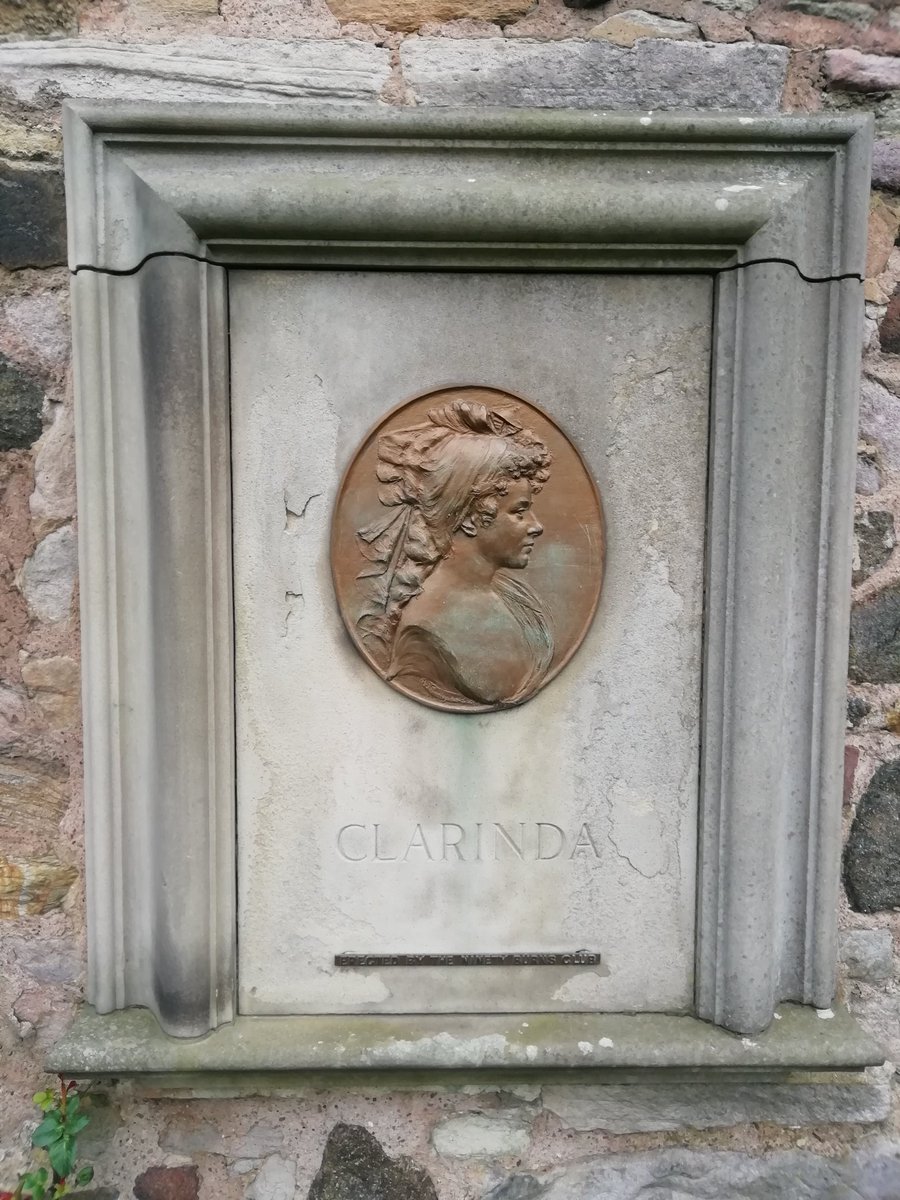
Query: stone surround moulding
[163, 202]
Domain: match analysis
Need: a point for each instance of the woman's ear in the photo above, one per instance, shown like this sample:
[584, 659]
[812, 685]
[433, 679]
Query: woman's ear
[469, 528]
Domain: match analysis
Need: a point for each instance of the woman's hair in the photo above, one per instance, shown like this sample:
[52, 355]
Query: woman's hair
[432, 477]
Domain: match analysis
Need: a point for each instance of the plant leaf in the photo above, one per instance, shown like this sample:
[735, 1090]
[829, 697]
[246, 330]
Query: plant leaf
[49, 1131]
[85, 1175]
[62, 1155]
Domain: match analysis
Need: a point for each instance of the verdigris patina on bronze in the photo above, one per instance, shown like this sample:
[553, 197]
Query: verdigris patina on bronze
[449, 499]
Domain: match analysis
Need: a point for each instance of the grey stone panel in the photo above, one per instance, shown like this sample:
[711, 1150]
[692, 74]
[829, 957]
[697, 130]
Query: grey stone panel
[714, 1175]
[643, 1109]
[654, 74]
[195, 69]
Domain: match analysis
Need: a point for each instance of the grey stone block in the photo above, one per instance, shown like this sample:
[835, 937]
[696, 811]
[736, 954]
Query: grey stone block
[21, 400]
[195, 69]
[868, 954]
[276, 1179]
[354, 1167]
[48, 577]
[482, 1135]
[640, 1108]
[886, 164]
[879, 421]
[874, 541]
[32, 217]
[715, 1175]
[653, 74]
[834, 10]
[875, 639]
[872, 853]
[868, 477]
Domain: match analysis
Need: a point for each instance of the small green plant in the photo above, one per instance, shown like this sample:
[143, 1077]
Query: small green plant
[57, 1135]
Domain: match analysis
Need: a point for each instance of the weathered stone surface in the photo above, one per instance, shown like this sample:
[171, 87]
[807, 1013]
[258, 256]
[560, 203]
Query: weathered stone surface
[851, 760]
[32, 217]
[276, 1179]
[205, 1138]
[46, 959]
[52, 502]
[889, 329]
[714, 1175]
[736, 6]
[718, 26]
[886, 164]
[20, 140]
[834, 10]
[33, 797]
[168, 1183]
[48, 576]
[857, 708]
[34, 886]
[654, 74]
[645, 1108]
[412, 14]
[868, 477]
[879, 421]
[167, 10]
[884, 220]
[875, 639]
[54, 685]
[196, 69]
[34, 331]
[872, 853]
[21, 400]
[868, 954]
[354, 1167]
[873, 542]
[38, 19]
[482, 1135]
[625, 28]
[857, 72]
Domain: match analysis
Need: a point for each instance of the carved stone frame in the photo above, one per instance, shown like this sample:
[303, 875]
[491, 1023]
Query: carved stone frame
[190, 192]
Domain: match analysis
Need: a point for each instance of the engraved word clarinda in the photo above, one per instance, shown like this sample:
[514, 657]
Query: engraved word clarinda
[448, 500]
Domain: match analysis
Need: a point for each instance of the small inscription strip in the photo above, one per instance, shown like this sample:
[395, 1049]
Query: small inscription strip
[575, 958]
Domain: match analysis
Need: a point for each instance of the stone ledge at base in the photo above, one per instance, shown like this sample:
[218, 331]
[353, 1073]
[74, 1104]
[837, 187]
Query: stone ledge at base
[130, 1042]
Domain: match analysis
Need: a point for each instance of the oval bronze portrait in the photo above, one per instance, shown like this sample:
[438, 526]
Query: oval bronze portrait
[467, 549]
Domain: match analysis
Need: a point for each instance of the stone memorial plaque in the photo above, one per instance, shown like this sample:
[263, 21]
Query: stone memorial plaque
[447, 653]
[464, 795]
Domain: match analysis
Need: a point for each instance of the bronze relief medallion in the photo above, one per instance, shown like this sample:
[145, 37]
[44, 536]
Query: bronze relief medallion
[467, 549]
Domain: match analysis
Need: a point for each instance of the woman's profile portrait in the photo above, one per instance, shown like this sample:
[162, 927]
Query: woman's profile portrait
[446, 611]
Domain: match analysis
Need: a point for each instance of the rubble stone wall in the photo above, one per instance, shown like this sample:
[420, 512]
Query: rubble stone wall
[500, 1140]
